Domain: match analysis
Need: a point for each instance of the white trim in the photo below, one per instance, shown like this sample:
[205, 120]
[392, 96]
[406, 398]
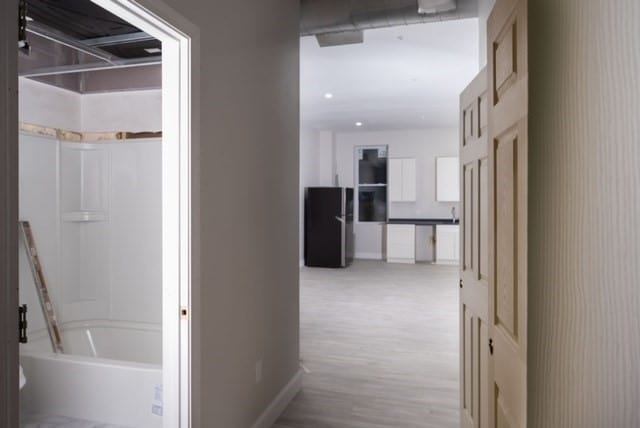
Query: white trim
[369, 256]
[178, 74]
[280, 403]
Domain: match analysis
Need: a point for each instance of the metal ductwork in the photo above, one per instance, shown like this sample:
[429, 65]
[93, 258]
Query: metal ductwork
[327, 19]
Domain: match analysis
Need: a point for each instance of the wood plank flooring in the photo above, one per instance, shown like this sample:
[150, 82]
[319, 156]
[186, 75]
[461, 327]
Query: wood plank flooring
[380, 342]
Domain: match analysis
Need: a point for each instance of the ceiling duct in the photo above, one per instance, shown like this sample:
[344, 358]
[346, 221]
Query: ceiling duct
[320, 17]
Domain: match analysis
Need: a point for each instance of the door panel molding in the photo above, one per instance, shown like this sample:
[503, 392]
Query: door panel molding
[507, 212]
[474, 292]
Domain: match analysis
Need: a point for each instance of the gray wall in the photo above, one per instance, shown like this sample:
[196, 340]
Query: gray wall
[584, 211]
[249, 203]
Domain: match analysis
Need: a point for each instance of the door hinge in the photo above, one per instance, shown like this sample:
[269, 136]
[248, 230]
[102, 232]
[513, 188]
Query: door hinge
[22, 323]
[491, 346]
[461, 283]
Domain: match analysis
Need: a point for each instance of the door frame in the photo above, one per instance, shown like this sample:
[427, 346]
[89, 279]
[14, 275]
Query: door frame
[180, 206]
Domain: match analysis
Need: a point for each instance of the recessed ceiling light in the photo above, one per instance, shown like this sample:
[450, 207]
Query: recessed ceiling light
[153, 50]
[358, 123]
[328, 95]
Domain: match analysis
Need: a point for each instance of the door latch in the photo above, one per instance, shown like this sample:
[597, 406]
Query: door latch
[22, 323]
[491, 346]
[461, 284]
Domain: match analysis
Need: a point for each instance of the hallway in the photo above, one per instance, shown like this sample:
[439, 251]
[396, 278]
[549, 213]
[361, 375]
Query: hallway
[379, 343]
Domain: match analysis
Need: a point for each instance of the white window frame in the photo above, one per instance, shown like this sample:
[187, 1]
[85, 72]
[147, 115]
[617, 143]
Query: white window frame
[356, 187]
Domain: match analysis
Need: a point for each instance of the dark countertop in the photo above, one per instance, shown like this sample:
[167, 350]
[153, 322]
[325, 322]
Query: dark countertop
[422, 221]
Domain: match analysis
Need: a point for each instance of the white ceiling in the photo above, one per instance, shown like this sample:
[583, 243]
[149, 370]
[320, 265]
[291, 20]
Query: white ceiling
[407, 77]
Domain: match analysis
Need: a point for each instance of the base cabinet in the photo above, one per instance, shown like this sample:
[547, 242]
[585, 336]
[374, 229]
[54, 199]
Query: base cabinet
[448, 244]
[401, 243]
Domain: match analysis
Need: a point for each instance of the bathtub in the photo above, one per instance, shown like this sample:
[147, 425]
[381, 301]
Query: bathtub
[111, 373]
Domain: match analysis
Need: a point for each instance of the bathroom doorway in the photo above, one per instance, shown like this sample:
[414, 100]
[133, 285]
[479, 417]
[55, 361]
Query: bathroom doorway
[105, 201]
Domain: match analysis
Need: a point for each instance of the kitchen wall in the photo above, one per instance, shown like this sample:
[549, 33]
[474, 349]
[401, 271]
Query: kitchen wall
[424, 146]
[584, 214]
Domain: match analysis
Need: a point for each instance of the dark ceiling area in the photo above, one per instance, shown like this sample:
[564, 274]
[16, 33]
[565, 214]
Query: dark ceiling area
[84, 21]
[78, 45]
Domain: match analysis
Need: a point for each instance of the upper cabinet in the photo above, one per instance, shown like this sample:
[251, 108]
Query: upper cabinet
[447, 179]
[402, 180]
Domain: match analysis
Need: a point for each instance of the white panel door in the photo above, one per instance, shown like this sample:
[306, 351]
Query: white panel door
[508, 147]
[395, 180]
[474, 245]
[409, 180]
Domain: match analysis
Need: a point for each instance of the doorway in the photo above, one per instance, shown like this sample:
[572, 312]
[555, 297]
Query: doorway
[171, 395]
[380, 338]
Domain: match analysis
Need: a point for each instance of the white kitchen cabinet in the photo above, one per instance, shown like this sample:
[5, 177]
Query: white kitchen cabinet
[447, 243]
[402, 180]
[448, 179]
[401, 243]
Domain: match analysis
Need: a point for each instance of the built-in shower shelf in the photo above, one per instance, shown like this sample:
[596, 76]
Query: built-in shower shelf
[84, 216]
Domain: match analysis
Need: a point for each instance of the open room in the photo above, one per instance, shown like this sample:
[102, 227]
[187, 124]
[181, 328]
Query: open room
[380, 208]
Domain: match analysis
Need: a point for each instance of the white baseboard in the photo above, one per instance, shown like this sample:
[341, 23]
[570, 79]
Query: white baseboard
[282, 400]
[369, 256]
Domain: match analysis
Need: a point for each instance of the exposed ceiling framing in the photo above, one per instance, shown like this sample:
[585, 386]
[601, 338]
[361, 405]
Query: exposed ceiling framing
[76, 43]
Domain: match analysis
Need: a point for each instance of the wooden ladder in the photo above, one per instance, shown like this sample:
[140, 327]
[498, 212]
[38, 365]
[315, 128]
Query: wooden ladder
[41, 287]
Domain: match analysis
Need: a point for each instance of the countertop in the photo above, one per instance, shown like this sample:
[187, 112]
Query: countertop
[423, 221]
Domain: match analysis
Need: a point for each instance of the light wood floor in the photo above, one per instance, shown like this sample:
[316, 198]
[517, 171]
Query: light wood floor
[380, 342]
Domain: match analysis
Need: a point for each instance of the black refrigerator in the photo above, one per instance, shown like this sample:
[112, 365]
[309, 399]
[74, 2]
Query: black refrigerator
[328, 227]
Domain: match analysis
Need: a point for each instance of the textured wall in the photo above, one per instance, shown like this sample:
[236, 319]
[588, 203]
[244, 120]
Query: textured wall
[584, 232]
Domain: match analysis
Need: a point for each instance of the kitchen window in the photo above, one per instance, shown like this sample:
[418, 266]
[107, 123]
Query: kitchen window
[371, 183]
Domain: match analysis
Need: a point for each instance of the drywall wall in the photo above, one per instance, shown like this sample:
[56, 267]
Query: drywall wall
[134, 111]
[422, 145]
[249, 181]
[584, 214]
[47, 105]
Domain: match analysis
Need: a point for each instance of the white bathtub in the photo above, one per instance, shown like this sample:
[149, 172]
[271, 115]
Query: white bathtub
[111, 373]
